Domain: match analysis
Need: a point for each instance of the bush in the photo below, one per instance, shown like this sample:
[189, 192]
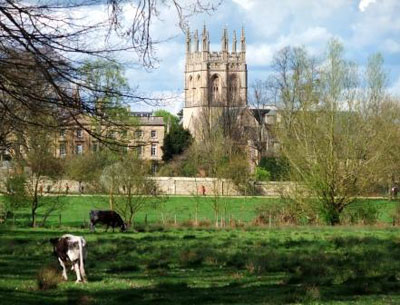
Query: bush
[276, 166]
[262, 174]
[366, 214]
[48, 278]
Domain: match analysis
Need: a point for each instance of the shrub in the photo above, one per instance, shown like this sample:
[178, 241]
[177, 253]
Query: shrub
[48, 278]
[262, 174]
[276, 166]
[365, 214]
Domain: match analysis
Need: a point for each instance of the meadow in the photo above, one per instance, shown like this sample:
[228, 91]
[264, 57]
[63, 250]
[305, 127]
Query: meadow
[179, 209]
[180, 264]
[206, 266]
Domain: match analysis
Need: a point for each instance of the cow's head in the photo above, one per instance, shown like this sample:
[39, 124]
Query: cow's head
[123, 227]
[54, 241]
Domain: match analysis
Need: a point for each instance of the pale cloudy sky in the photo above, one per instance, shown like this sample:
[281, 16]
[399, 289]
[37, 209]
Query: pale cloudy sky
[364, 27]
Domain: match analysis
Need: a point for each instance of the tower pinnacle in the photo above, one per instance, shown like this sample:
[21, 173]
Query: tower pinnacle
[225, 40]
[188, 41]
[234, 42]
[196, 41]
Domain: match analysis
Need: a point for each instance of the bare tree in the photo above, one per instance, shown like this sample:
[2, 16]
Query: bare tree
[44, 38]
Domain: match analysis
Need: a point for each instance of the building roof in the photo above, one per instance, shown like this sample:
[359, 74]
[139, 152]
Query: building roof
[151, 121]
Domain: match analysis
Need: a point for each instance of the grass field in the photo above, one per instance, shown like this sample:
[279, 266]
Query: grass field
[76, 209]
[183, 265]
[204, 266]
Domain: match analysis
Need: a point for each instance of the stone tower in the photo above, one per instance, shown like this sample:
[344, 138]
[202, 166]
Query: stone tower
[214, 81]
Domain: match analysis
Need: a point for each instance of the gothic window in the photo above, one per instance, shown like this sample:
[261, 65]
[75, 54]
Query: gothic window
[215, 88]
[198, 86]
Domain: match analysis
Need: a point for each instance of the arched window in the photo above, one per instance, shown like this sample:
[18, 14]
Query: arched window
[215, 88]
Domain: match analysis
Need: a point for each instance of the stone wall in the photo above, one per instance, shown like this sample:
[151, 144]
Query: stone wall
[171, 186]
[194, 186]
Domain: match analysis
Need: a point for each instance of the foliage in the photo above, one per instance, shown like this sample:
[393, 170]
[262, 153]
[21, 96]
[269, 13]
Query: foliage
[128, 178]
[276, 166]
[365, 214]
[169, 119]
[88, 167]
[175, 142]
[328, 126]
[16, 196]
[34, 155]
[108, 80]
[262, 174]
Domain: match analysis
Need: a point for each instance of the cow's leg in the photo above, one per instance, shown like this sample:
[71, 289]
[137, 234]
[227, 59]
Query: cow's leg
[107, 227]
[83, 273]
[64, 272]
[91, 227]
[78, 273]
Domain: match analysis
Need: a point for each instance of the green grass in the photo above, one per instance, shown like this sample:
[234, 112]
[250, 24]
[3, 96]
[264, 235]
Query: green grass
[76, 209]
[298, 265]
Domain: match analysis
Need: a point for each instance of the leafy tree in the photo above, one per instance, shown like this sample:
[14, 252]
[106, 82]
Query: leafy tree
[175, 142]
[88, 167]
[129, 179]
[277, 167]
[169, 119]
[34, 158]
[328, 128]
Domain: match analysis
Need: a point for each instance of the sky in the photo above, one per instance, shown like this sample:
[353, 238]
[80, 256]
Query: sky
[363, 26]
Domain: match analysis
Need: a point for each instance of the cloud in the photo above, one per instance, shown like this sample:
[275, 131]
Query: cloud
[395, 88]
[246, 4]
[313, 39]
[364, 4]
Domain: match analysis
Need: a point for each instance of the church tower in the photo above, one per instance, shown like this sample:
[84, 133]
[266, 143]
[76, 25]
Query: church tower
[214, 81]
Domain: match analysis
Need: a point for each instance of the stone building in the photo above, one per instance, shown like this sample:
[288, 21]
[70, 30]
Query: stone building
[145, 137]
[216, 90]
[214, 81]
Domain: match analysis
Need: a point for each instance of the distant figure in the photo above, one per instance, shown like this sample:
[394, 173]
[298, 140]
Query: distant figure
[82, 189]
[393, 192]
[66, 189]
[48, 188]
[41, 190]
[203, 190]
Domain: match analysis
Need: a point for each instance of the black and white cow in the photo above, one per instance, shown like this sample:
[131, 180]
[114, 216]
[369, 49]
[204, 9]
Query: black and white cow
[109, 218]
[71, 249]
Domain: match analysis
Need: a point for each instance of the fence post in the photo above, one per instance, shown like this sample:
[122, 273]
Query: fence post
[270, 221]
[59, 220]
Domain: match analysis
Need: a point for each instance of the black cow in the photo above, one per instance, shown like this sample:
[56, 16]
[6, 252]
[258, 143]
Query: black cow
[109, 218]
[71, 249]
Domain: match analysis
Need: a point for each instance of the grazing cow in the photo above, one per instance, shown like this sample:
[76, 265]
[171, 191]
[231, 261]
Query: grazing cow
[71, 249]
[109, 218]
